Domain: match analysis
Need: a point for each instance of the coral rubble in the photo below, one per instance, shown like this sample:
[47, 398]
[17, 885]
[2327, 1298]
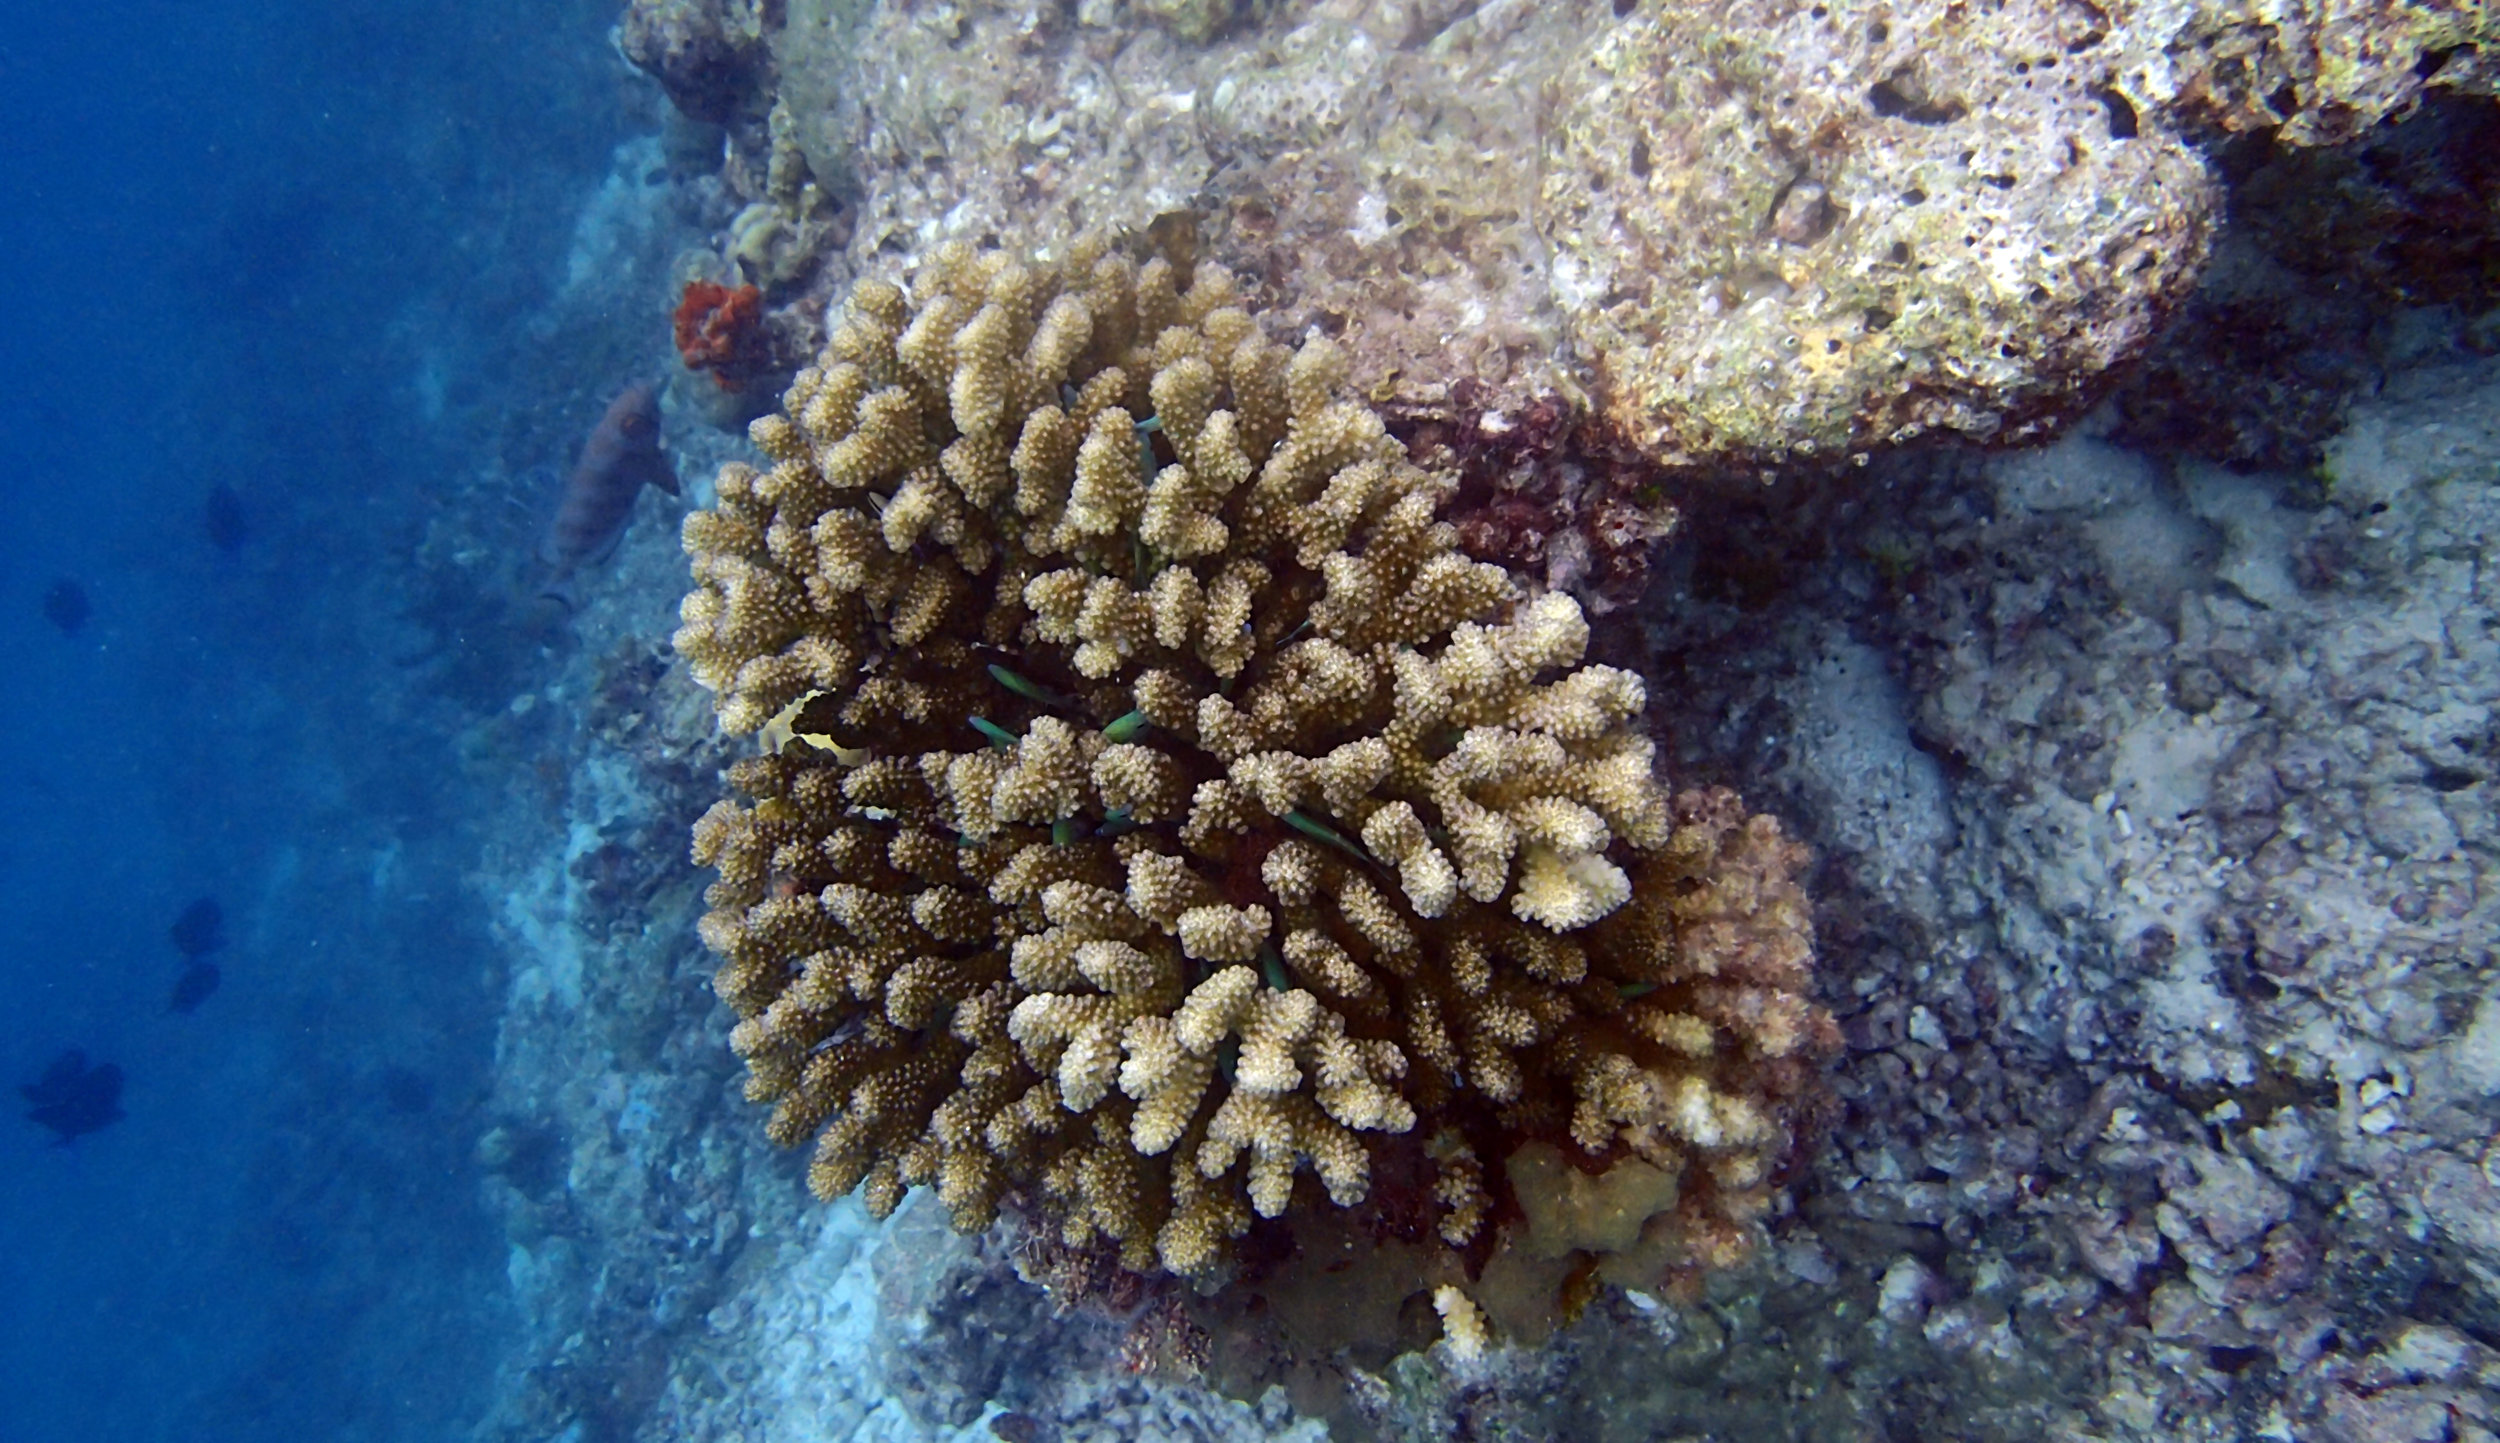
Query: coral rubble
[1158, 805]
[2164, 799]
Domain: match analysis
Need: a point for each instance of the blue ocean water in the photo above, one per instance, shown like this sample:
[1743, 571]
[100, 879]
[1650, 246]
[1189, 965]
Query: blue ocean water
[288, 250]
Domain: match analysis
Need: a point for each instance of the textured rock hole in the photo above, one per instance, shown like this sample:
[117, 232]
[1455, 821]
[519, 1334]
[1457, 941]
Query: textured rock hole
[1902, 98]
[1879, 319]
[2228, 1358]
[1640, 158]
[2449, 779]
[1914, 196]
[2121, 114]
[1626, 7]
[1878, 33]
[1803, 213]
[1899, 254]
[1753, 283]
[2001, 182]
[2431, 63]
[2284, 100]
[2240, 978]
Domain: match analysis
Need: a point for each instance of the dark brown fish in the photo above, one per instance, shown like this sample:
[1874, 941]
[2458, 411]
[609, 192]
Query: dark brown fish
[74, 1099]
[621, 457]
[65, 606]
[193, 986]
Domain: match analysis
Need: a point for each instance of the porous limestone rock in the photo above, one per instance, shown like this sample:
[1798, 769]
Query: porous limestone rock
[1745, 233]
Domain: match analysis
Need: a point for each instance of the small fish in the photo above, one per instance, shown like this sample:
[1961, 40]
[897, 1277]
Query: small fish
[200, 930]
[222, 518]
[65, 606]
[621, 457]
[192, 988]
[74, 1099]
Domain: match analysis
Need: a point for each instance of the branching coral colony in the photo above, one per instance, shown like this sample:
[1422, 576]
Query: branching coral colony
[1163, 805]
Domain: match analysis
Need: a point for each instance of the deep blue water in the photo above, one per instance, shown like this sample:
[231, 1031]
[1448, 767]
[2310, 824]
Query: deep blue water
[288, 249]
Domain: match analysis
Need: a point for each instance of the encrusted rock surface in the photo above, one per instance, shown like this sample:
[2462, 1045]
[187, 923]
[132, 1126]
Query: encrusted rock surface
[707, 54]
[1788, 231]
[1748, 235]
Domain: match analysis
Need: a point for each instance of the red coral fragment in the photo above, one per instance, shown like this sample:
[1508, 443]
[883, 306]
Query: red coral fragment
[721, 330]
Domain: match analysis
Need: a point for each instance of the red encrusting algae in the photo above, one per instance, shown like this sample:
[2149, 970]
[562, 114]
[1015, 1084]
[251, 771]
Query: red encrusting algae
[720, 329]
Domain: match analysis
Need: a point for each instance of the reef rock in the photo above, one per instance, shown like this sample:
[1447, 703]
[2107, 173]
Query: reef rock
[707, 54]
[1743, 234]
[1785, 229]
[1789, 231]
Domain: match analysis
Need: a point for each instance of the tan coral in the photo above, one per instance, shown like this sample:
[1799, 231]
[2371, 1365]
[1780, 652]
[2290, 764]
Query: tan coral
[1179, 811]
[1464, 1328]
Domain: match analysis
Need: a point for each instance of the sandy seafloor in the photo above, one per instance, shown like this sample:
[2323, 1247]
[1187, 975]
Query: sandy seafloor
[2152, 810]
